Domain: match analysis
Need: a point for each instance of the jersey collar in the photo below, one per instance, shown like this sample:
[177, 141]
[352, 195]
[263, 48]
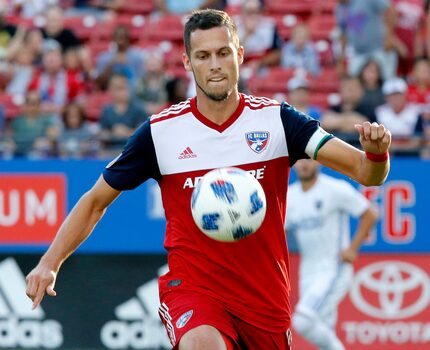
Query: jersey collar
[210, 124]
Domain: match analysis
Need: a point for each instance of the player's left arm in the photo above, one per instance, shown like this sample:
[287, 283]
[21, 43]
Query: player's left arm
[369, 167]
[367, 221]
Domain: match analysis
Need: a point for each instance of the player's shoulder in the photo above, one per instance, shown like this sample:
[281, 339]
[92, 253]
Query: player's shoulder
[259, 102]
[172, 112]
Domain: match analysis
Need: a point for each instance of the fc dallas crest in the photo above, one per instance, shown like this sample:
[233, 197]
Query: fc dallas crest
[257, 140]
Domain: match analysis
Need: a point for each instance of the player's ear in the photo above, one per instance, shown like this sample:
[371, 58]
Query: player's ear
[240, 54]
[186, 61]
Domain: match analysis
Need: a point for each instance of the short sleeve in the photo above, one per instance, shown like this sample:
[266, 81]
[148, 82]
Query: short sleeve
[351, 200]
[303, 134]
[137, 162]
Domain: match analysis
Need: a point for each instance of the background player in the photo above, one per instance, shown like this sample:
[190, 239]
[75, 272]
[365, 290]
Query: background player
[216, 295]
[318, 213]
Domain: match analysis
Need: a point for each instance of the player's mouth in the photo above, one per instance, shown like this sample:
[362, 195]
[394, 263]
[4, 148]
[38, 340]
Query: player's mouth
[216, 79]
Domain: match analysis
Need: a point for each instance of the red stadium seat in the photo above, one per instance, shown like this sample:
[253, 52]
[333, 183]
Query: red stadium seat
[301, 8]
[169, 27]
[325, 52]
[323, 100]
[275, 81]
[94, 104]
[140, 7]
[136, 25]
[83, 27]
[10, 104]
[321, 27]
[328, 81]
[285, 25]
[173, 57]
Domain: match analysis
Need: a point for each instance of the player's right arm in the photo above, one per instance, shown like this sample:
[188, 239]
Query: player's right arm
[75, 229]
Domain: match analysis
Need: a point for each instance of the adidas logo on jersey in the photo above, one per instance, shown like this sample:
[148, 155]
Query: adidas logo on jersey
[20, 326]
[187, 153]
[138, 325]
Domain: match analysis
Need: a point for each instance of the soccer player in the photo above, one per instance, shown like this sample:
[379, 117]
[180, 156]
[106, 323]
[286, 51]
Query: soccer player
[318, 213]
[217, 296]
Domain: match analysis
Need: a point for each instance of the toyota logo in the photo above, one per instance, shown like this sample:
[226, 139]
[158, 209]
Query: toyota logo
[391, 290]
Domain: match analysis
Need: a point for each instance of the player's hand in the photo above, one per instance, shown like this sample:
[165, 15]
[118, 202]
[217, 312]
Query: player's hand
[374, 138]
[40, 280]
[349, 255]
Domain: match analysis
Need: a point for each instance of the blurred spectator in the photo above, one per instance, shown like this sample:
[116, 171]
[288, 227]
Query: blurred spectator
[425, 117]
[401, 118]
[151, 88]
[33, 133]
[371, 80]
[408, 29]
[55, 85]
[186, 6]
[119, 119]
[111, 5]
[54, 29]
[120, 58]
[75, 66]
[7, 31]
[398, 115]
[34, 42]
[300, 52]
[30, 39]
[32, 8]
[176, 90]
[367, 27]
[258, 35]
[5, 148]
[76, 139]
[419, 86]
[298, 96]
[342, 117]
[21, 72]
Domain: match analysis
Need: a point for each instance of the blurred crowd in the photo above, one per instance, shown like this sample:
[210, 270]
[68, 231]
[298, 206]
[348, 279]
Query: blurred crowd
[77, 77]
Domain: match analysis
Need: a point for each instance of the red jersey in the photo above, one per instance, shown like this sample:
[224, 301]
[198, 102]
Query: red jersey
[410, 18]
[250, 277]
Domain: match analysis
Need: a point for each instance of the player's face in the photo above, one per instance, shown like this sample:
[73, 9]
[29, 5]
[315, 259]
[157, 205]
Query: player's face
[306, 169]
[214, 60]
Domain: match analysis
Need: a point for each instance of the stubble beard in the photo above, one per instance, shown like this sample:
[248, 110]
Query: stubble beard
[217, 97]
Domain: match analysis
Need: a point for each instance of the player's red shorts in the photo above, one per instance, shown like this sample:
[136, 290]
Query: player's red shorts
[182, 311]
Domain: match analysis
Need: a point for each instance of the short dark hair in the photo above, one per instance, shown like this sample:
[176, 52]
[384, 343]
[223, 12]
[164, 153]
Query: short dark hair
[208, 19]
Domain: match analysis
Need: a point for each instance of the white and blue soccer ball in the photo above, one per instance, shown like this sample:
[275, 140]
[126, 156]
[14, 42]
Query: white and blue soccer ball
[228, 204]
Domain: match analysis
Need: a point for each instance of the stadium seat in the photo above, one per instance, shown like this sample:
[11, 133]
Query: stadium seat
[140, 7]
[325, 7]
[94, 104]
[301, 8]
[169, 27]
[275, 81]
[321, 27]
[136, 25]
[173, 57]
[11, 105]
[328, 81]
[325, 52]
[82, 26]
[285, 25]
[319, 100]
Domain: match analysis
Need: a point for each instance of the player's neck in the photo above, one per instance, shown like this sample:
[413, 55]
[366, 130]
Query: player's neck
[307, 185]
[218, 111]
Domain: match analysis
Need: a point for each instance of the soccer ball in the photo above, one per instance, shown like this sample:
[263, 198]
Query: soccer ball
[228, 204]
